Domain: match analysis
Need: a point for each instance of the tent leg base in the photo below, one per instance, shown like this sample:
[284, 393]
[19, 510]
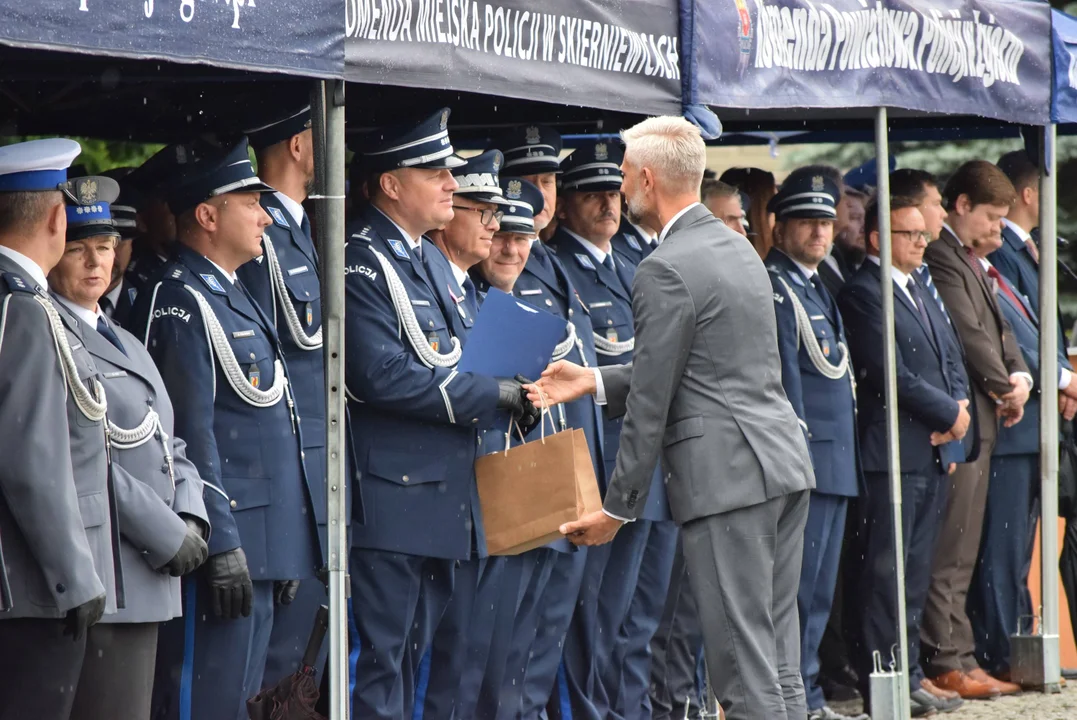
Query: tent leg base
[1034, 662]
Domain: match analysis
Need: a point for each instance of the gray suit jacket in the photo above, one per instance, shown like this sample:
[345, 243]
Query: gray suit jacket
[705, 385]
[149, 507]
[55, 517]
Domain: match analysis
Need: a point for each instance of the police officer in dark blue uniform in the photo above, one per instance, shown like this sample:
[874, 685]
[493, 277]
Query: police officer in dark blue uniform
[415, 418]
[589, 216]
[633, 242]
[224, 369]
[819, 382]
[450, 675]
[284, 283]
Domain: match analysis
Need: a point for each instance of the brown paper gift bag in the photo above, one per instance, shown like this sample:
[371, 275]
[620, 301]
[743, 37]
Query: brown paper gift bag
[528, 492]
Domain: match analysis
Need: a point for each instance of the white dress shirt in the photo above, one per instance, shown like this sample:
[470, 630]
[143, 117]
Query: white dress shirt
[899, 277]
[89, 317]
[294, 209]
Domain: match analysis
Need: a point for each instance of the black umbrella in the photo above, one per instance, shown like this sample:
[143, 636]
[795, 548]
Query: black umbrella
[295, 697]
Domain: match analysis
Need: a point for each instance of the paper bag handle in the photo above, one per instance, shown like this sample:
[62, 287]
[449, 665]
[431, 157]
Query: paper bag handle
[542, 425]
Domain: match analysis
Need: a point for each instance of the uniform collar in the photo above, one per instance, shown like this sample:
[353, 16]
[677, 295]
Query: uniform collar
[413, 244]
[231, 276]
[808, 272]
[596, 252]
[1017, 230]
[89, 317]
[294, 209]
[673, 220]
[647, 237]
[113, 295]
[31, 268]
[461, 276]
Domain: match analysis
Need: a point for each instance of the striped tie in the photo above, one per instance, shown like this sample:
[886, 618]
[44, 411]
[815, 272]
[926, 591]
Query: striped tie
[925, 278]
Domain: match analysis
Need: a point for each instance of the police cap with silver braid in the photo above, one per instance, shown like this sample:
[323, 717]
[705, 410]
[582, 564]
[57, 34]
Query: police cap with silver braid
[530, 149]
[525, 201]
[806, 197]
[420, 144]
[594, 167]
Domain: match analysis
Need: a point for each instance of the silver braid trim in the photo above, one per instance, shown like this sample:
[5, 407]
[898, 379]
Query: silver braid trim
[561, 351]
[280, 295]
[85, 399]
[410, 324]
[608, 347]
[230, 366]
[136, 437]
[806, 335]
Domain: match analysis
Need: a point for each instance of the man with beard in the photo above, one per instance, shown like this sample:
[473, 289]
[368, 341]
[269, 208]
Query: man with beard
[818, 380]
[590, 217]
[714, 408]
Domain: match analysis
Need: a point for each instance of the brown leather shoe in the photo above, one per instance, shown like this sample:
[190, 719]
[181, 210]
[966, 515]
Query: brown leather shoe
[1005, 688]
[965, 686]
[938, 691]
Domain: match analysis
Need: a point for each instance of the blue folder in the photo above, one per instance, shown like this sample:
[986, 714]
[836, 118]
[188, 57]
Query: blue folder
[511, 337]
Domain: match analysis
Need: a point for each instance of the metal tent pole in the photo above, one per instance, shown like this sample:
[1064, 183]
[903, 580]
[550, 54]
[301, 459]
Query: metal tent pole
[890, 690]
[1049, 410]
[328, 124]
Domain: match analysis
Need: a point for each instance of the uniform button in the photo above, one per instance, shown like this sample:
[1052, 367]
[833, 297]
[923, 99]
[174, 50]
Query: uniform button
[570, 311]
[252, 356]
[232, 504]
[549, 302]
[164, 468]
[405, 478]
[431, 323]
[306, 293]
[149, 401]
[61, 588]
[303, 455]
[609, 322]
[474, 421]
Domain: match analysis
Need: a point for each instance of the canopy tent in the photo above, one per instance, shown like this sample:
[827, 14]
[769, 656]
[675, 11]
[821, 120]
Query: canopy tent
[1064, 85]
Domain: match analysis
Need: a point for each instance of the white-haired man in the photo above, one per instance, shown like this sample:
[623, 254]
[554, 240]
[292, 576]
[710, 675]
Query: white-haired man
[738, 464]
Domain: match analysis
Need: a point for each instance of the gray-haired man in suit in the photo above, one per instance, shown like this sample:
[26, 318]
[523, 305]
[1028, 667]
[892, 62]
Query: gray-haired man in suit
[705, 390]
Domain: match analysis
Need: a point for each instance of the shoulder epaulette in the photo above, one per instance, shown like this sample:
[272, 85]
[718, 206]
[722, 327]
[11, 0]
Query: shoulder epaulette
[16, 283]
[363, 235]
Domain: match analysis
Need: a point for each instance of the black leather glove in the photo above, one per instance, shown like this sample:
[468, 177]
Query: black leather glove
[511, 396]
[284, 591]
[531, 415]
[79, 619]
[192, 553]
[230, 584]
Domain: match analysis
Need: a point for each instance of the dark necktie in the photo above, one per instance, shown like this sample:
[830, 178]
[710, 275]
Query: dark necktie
[974, 262]
[925, 277]
[1005, 287]
[918, 299]
[109, 334]
[106, 305]
[471, 297]
[822, 293]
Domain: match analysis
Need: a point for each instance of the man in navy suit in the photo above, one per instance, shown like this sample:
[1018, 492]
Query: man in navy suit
[999, 592]
[818, 381]
[932, 406]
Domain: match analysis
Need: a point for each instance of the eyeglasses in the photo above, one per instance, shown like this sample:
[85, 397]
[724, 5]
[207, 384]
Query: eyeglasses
[914, 235]
[485, 216]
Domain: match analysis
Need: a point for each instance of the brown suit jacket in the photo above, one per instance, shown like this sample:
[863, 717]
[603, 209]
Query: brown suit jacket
[991, 350]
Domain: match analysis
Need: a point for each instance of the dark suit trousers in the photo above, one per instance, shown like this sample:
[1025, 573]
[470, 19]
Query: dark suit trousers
[675, 650]
[39, 669]
[946, 633]
[744, 568]
[1000, 583]
[875, 590]
[117, 674]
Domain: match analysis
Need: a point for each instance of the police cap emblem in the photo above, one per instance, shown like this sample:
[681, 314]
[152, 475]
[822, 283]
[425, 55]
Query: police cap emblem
[532, 135]
[87, 190]
[497, 163]
[601, 151]
[444, 119]
[817, 184]
[515, 189]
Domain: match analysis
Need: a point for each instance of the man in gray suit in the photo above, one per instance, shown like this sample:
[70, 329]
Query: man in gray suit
[158, 491]
[705, 390]
[58, 572]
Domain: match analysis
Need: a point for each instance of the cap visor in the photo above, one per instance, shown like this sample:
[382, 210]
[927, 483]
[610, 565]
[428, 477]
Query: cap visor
[446, 163]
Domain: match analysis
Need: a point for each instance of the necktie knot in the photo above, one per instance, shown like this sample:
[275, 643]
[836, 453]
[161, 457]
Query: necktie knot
[608, 262]
[109, 334]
